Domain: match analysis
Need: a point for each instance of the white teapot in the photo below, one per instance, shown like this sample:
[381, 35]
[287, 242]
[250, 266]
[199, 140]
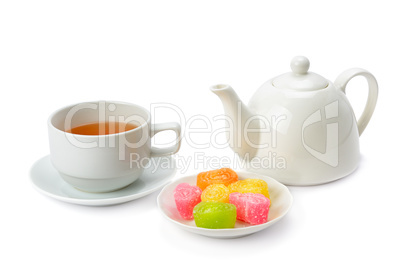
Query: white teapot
[298, 128]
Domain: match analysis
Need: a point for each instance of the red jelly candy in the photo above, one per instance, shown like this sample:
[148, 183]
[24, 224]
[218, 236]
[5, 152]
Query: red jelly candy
[186, 197]
[251, 208]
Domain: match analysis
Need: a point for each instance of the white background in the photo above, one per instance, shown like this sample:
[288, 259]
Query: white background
[55, 53]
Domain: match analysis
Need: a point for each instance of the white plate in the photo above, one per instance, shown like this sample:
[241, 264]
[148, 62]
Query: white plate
[281, 201]
[47, 180]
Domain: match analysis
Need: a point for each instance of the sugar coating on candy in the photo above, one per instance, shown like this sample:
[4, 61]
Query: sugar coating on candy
[186, 197]
[251, 208]
[216, 192]
[224, 176]
[256, 186]
[215, 215]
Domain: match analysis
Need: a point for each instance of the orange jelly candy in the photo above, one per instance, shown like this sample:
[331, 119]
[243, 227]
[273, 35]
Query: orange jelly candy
[216, 192]
[224, 176]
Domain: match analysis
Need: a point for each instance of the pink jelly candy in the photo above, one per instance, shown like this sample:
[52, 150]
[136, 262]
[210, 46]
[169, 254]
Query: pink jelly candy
[251, 208]
[186, 197]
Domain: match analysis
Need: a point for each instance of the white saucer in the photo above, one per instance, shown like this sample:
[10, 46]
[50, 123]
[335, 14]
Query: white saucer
[280, 196]
[47, 180]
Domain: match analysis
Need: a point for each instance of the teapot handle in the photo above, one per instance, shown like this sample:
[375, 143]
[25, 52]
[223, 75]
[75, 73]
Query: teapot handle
[342, 80]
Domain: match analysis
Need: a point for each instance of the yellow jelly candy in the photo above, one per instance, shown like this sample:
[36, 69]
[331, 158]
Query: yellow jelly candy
[216, 192]
[256, 186]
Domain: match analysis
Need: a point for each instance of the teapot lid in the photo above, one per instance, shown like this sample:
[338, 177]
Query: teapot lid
[300, 78]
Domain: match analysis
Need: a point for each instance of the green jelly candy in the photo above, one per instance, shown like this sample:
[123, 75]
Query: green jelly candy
[215, 215]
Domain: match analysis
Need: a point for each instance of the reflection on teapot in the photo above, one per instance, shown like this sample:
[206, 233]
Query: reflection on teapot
[302, 119]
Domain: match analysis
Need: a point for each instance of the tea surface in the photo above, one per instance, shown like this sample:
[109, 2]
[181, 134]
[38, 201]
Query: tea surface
[102, 128]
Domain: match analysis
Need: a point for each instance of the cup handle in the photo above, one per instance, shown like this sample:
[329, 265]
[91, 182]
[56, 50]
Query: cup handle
[156, 128]
[342, 80]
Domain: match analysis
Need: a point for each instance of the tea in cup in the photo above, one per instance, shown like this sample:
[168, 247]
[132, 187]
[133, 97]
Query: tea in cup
[93, 144]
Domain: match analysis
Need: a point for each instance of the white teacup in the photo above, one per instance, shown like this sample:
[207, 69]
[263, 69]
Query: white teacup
[104, 163]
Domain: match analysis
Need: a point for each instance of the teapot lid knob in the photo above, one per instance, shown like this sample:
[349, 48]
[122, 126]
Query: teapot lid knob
[300, 65]
[300, 78]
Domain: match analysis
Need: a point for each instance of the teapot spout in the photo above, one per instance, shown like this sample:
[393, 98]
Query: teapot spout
[241, 122]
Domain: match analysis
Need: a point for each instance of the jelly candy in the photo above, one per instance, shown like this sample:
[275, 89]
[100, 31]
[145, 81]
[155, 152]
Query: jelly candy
[215, 215]
[216, 192]
[224, 176]
[256, 186]
[251, 208]
[186, 197]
